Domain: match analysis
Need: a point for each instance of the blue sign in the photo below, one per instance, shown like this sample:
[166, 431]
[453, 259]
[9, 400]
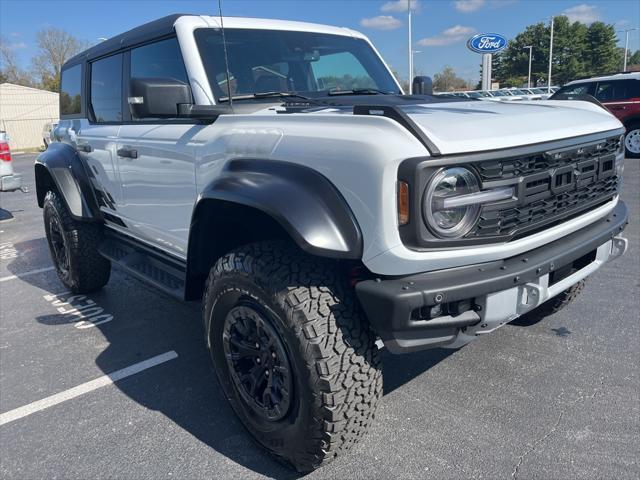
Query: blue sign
[487, 43]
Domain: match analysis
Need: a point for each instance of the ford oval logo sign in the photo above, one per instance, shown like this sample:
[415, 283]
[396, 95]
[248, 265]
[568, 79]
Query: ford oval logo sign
[487, 43]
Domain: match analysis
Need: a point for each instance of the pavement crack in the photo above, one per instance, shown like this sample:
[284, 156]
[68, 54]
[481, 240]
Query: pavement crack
[543, 438]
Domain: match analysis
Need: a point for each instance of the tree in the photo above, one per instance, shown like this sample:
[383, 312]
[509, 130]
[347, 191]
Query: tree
[10, 71]
[578, 50]
[633, 59]
[56, 47]
[447, 80]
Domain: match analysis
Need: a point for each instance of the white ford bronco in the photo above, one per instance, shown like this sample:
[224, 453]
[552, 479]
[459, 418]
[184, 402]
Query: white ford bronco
[276, 171]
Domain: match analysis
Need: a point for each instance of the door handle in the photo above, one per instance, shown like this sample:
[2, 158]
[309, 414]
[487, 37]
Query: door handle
[127, 153]
[84, 148]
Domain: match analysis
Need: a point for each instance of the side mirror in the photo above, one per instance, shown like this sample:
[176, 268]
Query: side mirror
[158, 97]
[422, 85]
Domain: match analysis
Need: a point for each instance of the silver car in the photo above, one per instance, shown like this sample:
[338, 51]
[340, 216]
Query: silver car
[9, 181]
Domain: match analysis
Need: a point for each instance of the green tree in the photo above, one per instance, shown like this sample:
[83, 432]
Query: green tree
[633, 59]
[447, 80]
[578, 51]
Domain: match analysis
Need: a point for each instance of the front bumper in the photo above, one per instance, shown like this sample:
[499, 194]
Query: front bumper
[9, 183]
[498, 291]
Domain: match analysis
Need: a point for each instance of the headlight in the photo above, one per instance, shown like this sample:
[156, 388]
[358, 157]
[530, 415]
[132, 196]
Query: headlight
[444, 216]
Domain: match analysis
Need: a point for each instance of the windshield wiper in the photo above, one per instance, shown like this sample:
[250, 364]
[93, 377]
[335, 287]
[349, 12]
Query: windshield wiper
[359, 91]
[250, 96]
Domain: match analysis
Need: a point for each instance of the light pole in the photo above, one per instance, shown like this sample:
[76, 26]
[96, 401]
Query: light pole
[626, 45]
[530, 47]
[550, 58]
[410, 49]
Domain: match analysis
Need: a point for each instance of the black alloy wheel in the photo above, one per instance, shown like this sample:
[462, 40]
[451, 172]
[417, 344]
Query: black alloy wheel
[257, 361]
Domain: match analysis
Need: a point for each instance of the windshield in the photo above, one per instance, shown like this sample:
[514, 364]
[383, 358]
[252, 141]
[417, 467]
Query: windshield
[498, 93]
[307, 63]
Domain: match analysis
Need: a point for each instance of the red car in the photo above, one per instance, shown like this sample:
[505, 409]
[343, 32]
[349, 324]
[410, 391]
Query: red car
[620, 93]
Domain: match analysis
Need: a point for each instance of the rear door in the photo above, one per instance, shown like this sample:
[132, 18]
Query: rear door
[621, 97]
[97, 134]
[156, 157]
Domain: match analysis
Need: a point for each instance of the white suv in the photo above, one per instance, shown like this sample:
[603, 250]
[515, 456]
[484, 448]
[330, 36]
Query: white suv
[276, 172]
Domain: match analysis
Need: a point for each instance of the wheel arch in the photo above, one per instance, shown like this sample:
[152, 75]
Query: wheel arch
[255, 200]
[60, 168]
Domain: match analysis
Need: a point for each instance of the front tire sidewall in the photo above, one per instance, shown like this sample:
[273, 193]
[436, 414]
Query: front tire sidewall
[287, 435]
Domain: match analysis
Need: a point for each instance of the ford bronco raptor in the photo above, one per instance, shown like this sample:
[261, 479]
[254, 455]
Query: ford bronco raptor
[275, 171]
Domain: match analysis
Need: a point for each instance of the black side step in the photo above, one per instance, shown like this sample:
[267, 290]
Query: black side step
[146, 263]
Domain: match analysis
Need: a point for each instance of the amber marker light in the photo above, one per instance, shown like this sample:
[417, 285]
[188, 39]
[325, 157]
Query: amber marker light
[403, 203]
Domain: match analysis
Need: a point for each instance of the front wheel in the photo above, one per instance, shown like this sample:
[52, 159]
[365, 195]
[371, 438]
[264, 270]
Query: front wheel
[632, 141]
[294, 355]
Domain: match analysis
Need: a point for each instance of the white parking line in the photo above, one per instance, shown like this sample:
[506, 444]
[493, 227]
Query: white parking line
[87, 387]
[25, 274]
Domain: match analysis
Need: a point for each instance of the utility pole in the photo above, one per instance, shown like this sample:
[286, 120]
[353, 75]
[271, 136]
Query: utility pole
[626, 46]
[410, 49]
[530, 47]
[550, 58]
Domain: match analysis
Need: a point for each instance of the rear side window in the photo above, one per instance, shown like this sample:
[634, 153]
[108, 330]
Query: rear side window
[578, 89]
[106, 89]
[618, 90]
[70, 91]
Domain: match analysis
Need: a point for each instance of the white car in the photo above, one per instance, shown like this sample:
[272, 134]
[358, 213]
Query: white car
[279, 175]
[9, 180]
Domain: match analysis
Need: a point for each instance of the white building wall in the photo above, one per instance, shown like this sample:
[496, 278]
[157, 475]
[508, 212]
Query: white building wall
[24, 112]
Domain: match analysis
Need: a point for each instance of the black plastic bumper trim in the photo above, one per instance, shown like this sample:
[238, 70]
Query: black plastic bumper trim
[389, 303]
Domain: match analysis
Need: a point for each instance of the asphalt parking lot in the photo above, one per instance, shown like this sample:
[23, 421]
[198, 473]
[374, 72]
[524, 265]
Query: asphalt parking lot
[556, 399]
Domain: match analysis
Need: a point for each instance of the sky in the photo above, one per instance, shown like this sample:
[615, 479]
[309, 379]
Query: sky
[440, 27]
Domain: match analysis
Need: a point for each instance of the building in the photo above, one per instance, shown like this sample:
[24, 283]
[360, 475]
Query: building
[24, 112]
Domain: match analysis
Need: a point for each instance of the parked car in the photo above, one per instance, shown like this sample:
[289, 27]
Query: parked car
[524, 94]
[47, 133]
[317, 212]
[620, 94]
[9, 180]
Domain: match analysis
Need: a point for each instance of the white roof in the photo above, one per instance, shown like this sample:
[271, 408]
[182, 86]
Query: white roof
[268, 24]
[617, 76]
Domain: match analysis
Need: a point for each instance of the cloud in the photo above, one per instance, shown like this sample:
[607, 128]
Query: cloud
[400, 6]
[381, 22]
[468, 6]
[448, 36]
[16, 45]
[583, 13]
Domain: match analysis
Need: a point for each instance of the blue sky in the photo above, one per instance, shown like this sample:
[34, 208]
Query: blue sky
[441, 27]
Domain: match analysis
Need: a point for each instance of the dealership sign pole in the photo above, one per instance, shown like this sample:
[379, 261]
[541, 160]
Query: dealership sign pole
[487, 44]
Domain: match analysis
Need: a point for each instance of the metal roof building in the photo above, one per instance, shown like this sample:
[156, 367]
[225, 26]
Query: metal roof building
[24, 112]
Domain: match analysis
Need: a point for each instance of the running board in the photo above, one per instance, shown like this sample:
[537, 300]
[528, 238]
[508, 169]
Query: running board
[146, 263]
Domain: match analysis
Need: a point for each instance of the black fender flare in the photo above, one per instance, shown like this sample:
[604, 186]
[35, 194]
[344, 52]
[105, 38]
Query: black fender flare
[70, 177]
[300, 199]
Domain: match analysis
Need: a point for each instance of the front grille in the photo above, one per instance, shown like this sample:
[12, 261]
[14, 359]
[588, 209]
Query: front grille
[540, 162]
[551, 187]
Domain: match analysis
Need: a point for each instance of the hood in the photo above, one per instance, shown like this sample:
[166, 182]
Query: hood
[479, 126]
[457, 125]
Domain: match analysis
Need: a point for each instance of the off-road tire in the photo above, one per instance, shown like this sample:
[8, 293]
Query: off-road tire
[336, 376]
[551, 306]
[87, 270]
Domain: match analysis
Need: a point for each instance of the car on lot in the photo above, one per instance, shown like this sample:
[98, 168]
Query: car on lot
[9, 180]
[276, 172]
[48, 133]
[620, 94]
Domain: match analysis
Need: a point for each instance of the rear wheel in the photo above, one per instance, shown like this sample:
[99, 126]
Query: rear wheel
[632, 141]
[293, 354]
[74, 248]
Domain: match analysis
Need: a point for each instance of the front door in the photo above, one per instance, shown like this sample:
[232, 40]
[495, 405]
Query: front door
[156, 157]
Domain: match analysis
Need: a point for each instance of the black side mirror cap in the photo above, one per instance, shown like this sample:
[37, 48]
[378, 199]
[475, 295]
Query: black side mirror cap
[158, 97]
[422, 85]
